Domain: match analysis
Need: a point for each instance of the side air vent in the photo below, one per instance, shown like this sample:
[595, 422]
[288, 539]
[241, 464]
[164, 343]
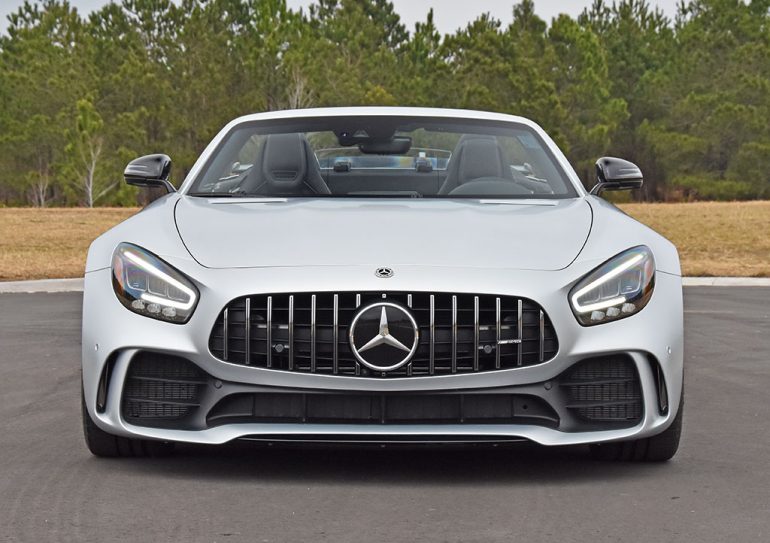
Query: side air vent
[161, 390]
[604, 390]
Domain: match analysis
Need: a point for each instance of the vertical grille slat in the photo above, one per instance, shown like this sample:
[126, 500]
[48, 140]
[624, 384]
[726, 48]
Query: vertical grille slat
[312, 334]
[336, 326]
[358, 304]
[520, 325]
[225, 349]
[291, 332]
[269, 330]
[247, 331]
[498, 335]
[309, 332]
[541, 353]
[454, 334]
[432, 359]
[409, 365]
[475, 333]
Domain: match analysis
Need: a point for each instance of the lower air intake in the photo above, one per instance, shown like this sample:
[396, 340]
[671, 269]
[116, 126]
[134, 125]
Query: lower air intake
[382, 409]
[161, 390]
[604, 390]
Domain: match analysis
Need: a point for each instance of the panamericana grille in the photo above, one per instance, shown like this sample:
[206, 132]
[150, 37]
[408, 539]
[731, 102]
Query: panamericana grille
[308, 332]
[604, 389]
[160, 389]
[378, 408]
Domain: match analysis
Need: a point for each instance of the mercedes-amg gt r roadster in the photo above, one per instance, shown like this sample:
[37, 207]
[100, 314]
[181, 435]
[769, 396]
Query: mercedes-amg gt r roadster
[383, 275]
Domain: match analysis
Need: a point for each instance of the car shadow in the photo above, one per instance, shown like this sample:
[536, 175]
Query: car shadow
[392, 465]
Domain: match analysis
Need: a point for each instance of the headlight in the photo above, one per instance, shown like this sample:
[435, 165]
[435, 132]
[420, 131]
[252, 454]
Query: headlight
[619, 288]
[148, 286]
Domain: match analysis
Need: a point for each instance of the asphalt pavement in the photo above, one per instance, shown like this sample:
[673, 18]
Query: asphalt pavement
[716, 489]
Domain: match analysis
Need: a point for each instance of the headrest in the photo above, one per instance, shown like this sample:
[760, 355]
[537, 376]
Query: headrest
[481, 157]
[284, 163]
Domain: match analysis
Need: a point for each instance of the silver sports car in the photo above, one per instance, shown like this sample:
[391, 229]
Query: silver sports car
[383, 275]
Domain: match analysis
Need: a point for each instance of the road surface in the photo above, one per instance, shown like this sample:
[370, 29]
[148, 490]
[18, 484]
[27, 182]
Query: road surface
[716, 489]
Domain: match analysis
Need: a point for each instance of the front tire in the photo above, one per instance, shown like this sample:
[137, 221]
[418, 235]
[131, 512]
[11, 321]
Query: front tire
[658, 448]
[106, 445]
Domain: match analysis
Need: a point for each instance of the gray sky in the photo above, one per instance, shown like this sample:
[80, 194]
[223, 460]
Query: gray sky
[449, 14]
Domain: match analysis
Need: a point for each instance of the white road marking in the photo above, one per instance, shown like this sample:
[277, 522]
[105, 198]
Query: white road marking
[42, 285]
[726, 281]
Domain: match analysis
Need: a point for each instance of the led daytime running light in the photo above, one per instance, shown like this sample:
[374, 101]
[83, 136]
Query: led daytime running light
[619, 288]
[598, 306]
[153, 299]
[150, 287]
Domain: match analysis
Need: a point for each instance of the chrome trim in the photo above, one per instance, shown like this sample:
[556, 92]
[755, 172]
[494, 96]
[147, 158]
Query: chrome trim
[358, 364]
[498, 335]
[291, 332]
[335, 325]
[454, 334]
[432, 369]
[464, 337]
[269, 331]
[409, 365]
[475, 333]
[384, 273]
[542, 335]
[247, 332]
[227, 334]
[384, 337]
[520, 321]
[312, 333]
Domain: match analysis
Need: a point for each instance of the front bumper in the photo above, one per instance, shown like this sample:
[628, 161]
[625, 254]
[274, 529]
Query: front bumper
[112, 333]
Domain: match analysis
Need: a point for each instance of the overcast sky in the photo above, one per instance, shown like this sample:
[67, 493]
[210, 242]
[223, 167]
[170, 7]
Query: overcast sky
[449, 14]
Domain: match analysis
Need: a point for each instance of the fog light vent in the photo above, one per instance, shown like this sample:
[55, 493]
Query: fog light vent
[161, 390]
[604, 389]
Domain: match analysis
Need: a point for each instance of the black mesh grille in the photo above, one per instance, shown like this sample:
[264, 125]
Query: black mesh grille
[356, 408]
[604, 389]
[470, 333]
[161, 388]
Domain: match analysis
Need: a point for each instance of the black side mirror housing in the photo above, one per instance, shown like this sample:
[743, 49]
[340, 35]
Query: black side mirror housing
[149, 171]
[616, 174]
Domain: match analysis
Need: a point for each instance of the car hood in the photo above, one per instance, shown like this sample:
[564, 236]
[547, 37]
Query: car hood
[238, 233]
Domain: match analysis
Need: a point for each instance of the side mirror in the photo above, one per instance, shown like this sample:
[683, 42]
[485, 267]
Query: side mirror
[616, 174]
[149, 171]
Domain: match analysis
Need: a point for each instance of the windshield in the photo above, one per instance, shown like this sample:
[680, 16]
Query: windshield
[383, 156]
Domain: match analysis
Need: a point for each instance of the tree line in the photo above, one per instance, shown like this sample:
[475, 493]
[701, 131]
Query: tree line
[687, 98]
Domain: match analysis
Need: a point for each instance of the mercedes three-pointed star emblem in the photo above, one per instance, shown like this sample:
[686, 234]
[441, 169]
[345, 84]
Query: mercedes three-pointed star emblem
[382, 348]
[384, 337]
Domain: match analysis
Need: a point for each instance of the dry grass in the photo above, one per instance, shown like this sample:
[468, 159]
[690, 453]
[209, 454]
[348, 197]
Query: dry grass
[731, 239]
[713, 238]
[51, 243]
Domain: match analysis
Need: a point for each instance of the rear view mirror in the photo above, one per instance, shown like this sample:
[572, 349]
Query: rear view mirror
[149, 171]
[616, 174]
[398, 145]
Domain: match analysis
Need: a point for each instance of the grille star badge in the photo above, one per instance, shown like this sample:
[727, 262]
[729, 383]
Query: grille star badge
[390, 331]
